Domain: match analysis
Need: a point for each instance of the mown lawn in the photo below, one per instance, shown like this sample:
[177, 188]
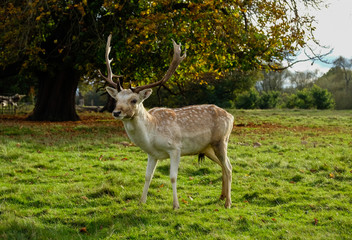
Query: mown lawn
[292, 179]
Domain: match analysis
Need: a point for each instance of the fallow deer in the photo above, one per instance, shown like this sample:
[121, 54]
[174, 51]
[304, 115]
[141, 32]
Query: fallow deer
[171, 133]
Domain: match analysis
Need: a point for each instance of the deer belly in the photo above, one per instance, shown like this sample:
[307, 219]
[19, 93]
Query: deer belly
[195, 144]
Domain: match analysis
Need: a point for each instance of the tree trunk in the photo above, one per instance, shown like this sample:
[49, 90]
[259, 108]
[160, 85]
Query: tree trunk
[56, 94]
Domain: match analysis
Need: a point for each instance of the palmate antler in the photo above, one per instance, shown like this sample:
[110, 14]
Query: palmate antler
[176, 60]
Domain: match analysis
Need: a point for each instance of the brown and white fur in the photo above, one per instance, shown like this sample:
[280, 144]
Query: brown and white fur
[171, 133]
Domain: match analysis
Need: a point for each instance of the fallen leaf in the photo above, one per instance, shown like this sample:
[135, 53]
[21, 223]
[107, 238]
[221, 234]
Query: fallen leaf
[315, 221]
[83, 230]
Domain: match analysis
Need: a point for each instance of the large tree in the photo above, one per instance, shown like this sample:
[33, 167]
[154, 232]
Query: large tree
[55, 43]
[59, 42]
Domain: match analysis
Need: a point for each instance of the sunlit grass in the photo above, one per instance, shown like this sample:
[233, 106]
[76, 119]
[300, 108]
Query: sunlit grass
[292, 179]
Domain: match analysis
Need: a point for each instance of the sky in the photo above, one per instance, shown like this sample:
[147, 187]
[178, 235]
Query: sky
[333, 29]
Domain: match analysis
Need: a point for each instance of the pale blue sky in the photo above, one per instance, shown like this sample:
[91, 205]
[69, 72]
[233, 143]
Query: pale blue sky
[334, 29]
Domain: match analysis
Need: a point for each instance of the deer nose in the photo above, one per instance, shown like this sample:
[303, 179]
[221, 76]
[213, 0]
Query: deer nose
[116, 113]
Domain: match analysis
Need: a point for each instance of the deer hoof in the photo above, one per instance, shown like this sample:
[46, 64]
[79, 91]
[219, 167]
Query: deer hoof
[228, 204]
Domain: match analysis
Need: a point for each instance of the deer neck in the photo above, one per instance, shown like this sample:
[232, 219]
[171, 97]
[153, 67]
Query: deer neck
[138, 127]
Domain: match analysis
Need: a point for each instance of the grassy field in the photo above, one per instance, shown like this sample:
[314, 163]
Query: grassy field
[292, 179]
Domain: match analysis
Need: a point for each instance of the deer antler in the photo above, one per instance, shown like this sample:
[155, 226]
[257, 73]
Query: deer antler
[176, 60]
[108, 79]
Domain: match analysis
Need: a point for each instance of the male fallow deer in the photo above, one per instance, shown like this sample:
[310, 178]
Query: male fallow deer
[171, 133]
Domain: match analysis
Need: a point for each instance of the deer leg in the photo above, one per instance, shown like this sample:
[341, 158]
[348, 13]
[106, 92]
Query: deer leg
[209, 152]
[224, 186]
[174, 163]
[151, 165]
[221, 152]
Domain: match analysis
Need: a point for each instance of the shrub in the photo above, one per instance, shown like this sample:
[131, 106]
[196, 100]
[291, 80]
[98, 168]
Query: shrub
[302, 99]
[269, 100]
[247, 100]
[322, 98]
[311, 98]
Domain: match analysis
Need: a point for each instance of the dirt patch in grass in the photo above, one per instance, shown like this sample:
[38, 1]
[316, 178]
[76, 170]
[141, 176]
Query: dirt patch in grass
[86, 119]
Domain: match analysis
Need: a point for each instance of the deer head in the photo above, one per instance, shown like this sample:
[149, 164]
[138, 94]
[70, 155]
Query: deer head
[129, 101]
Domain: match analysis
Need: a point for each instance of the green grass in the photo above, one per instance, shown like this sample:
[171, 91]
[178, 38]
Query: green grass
[83, 181]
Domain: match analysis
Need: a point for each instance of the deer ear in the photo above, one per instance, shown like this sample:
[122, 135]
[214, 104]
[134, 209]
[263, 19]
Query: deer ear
[112, 92]
[144, 94]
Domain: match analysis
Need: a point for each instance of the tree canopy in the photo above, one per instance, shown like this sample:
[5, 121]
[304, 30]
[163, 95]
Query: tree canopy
[220, 36]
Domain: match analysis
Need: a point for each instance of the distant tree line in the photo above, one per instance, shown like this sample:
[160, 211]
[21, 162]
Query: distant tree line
[267, 89]
[257, 90]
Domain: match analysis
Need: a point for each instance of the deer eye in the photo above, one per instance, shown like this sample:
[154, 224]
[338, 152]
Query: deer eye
[134, 101]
